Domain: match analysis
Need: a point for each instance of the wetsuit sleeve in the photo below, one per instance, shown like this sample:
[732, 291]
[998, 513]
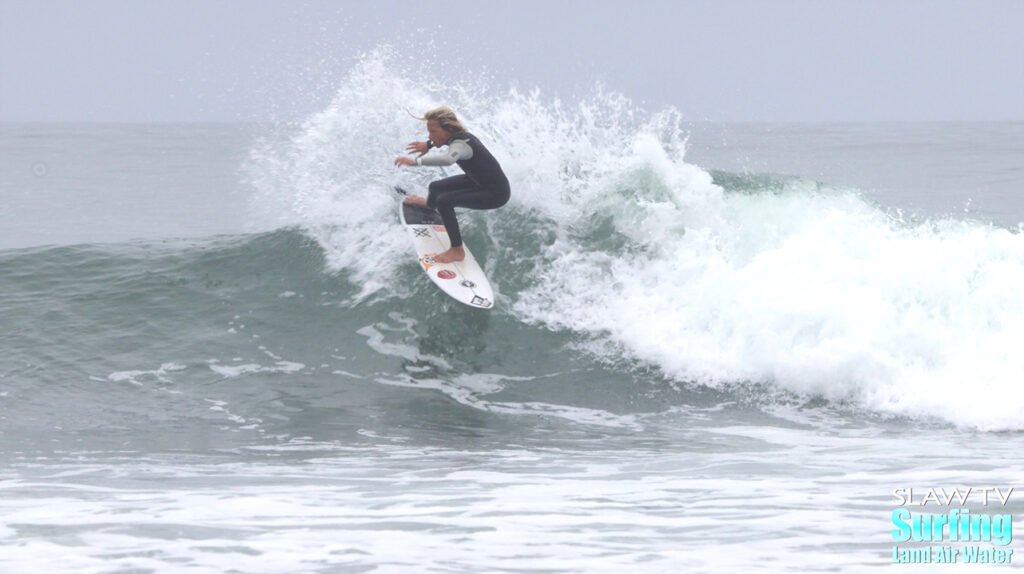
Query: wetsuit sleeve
[457, 150]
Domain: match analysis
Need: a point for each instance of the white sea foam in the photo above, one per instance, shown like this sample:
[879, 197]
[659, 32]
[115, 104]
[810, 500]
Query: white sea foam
[140, 377]
[397, 508]
[819, 294]
[232, 371]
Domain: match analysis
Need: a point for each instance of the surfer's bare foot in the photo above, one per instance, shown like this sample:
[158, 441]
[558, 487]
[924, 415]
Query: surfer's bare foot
[451, 256]
[415, 200]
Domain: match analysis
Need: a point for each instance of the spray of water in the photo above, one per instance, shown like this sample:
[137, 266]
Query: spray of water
[611, 234]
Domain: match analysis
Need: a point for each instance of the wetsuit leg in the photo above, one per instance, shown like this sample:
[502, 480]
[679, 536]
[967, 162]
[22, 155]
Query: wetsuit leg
[446, 185]
[460, 191]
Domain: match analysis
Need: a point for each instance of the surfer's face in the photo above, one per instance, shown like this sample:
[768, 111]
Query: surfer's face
[437, 134]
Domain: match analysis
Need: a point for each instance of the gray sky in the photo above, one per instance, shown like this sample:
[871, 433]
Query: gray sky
[720, 60]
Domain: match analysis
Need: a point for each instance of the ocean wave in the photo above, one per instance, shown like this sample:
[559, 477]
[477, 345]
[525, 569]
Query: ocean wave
[711, 279]
[715, 279]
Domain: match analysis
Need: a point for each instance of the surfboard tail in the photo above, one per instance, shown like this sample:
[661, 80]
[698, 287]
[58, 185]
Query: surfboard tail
[464, 281]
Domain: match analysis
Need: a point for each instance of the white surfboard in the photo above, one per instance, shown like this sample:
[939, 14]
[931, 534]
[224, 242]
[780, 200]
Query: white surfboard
[463, 280]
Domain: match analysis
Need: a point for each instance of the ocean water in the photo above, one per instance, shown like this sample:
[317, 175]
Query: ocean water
[716, 348]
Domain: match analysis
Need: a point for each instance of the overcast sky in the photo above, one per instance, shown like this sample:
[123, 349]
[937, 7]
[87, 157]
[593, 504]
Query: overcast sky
[719, 60]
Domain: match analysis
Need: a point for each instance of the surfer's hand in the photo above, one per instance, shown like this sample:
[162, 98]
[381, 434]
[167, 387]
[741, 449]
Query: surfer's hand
[404, 161]
[417, 147]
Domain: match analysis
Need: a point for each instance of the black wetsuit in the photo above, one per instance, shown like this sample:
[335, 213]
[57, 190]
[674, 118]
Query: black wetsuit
[482, 186]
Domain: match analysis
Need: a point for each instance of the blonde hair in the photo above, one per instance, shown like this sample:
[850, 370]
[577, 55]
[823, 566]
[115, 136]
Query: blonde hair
[445, 117]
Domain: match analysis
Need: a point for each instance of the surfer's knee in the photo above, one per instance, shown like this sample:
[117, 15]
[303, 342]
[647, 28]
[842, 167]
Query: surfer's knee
[444, 201]
[503, 199]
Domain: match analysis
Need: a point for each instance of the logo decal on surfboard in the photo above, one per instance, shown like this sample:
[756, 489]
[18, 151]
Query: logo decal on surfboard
[446, 274]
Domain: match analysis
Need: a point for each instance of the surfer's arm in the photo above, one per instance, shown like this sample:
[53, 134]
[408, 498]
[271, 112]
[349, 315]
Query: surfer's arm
[457, 150]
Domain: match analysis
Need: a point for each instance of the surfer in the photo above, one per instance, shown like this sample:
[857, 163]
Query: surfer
[483, 184]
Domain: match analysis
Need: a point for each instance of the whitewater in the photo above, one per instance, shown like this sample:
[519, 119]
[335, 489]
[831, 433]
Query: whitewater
[714, 348]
